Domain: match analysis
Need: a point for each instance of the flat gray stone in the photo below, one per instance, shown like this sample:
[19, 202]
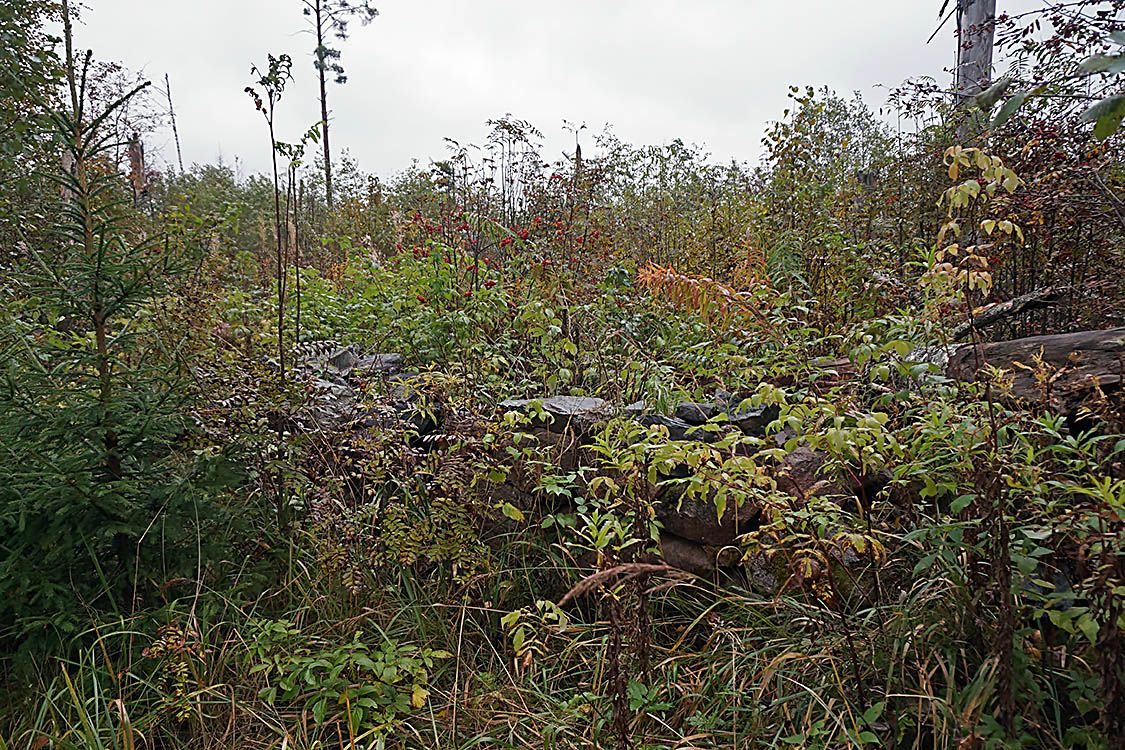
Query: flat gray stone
[514, 404]
[574, 406]
[581, 412]
[343, 359]
[752, 420]
[383, 363]
[635, 409]
[330, 407]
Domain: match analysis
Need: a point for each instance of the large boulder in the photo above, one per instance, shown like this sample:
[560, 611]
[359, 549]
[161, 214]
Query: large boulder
[752, 420]
[801, 474]
[773, 572]
[697, 519]
[331, 360]
[384, 364]
[417, 413]
[333, 371]
[695, 413]
[331, 406]
[561, 449]
[700, 559]
[765, 573]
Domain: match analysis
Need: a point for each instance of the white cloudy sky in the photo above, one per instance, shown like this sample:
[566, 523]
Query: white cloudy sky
[713, 72]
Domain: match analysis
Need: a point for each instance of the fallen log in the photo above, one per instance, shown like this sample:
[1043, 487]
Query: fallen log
[1060, 371]
[1038, 299]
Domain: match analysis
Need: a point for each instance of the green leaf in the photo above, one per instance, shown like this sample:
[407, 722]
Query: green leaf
[925, 563]
[1118, 37]
[1107, 114]
[1108, 125]
[987, 99]
[1014, 103]
[1089, 627]
[1026, 565]
[872, 714]
[1061, 620]
[1097, 63]
[720, 506]
[961, 503]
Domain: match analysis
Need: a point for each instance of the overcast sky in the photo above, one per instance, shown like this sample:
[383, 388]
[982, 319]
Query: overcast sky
[712, 72]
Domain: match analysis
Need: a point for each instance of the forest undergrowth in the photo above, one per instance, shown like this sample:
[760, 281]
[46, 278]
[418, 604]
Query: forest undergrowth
[215, 535]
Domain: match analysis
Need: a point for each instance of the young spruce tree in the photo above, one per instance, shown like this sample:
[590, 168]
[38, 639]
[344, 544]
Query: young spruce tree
[98, 504]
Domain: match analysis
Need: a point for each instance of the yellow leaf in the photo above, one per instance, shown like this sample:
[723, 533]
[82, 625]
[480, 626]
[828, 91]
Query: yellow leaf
[418, 697]
[512, 512]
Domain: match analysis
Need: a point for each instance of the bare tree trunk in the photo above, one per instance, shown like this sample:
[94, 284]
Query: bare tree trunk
[297, 247]
[137, 177]
[280, 253]
[976, 31]
[320, 69]
[172, 114]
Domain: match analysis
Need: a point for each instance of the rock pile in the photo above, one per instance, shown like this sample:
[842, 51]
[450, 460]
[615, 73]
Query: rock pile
[694, 537]
[333, 372]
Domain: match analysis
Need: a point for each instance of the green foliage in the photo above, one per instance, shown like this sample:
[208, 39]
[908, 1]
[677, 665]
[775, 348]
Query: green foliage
[373, 689]
[913, 560]
[97, 480]
[1106, 113]
[30, 72]
[331, 18]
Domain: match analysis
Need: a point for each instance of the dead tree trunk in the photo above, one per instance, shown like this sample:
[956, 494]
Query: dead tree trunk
[976, 31]
[175, 131]
[319, 22]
